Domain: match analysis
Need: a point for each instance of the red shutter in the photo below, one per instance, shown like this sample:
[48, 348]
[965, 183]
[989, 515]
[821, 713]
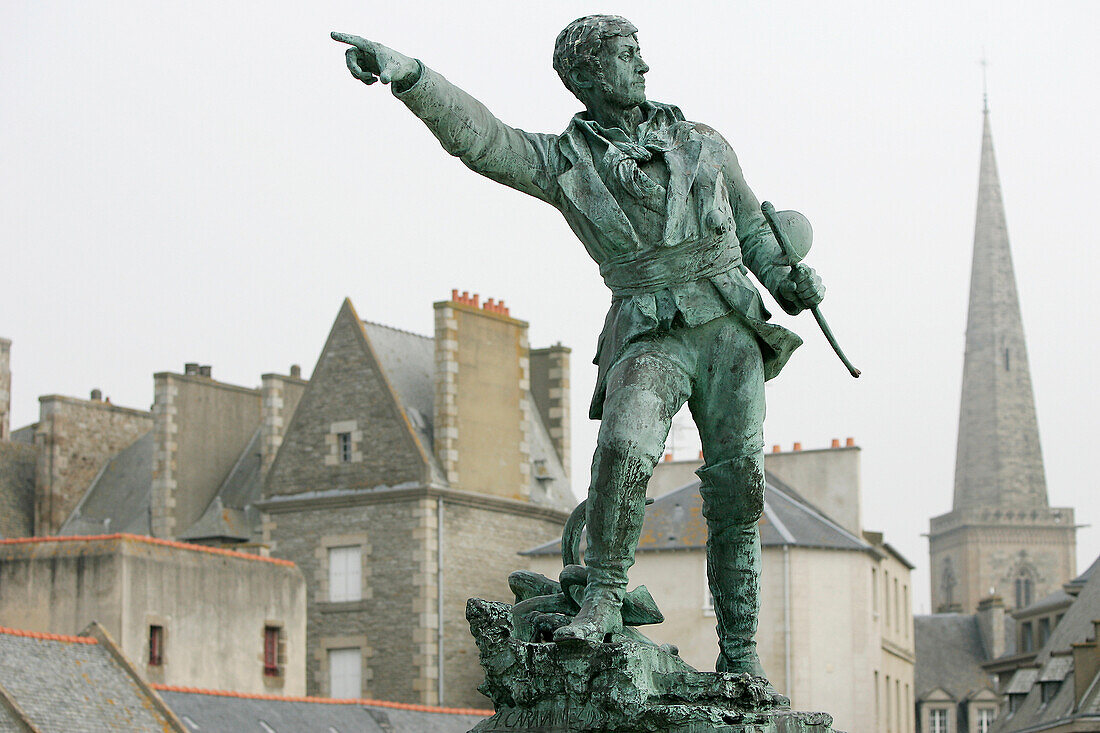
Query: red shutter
[271, 651]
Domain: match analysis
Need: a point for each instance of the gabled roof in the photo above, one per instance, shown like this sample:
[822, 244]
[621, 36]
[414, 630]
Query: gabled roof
[1054, 661]
[408, 360]
[119, 498]
[211, 710]
[675, 521]
[949, 655]
[73, 684]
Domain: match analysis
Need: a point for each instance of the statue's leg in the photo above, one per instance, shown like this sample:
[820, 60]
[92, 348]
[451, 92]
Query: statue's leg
[645, 388]
[728, 408]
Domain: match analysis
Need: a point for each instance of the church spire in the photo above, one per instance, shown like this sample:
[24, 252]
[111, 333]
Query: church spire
[998, 463]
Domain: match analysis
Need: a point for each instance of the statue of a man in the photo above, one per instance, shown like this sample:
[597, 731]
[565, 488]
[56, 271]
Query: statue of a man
[661, 205]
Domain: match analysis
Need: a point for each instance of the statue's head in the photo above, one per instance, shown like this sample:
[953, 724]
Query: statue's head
[597, 55]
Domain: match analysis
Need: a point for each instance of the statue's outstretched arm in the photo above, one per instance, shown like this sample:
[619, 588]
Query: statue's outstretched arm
[463, 125]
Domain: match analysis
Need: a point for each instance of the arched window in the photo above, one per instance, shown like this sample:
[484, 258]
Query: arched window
[1024, 589]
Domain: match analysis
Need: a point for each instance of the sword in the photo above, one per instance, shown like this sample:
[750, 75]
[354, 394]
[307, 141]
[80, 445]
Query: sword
[795, 259]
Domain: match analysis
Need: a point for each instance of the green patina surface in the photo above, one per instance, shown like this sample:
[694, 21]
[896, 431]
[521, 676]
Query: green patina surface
[662, 206]
[622, 687]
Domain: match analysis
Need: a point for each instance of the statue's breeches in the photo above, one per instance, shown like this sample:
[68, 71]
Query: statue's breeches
[717, 369]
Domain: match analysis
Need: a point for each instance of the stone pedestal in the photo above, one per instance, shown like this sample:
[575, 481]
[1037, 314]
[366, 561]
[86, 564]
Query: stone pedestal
[623, 687]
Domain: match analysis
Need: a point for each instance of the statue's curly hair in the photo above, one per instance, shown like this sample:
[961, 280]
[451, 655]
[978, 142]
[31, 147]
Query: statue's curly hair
[580, 43]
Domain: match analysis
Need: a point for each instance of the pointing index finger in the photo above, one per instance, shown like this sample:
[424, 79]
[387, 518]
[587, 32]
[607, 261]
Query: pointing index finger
[347, 38]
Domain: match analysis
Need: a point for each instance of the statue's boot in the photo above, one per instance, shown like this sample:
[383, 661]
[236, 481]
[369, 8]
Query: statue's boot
[733, 501]
[616, 509]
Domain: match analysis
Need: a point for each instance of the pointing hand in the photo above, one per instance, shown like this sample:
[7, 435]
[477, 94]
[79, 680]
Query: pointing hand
[370, 62]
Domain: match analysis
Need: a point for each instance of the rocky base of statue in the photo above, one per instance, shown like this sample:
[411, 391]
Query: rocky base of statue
[630, 685]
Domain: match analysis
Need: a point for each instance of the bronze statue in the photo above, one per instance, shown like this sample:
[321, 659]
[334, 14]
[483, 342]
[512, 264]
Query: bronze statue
[661, 205]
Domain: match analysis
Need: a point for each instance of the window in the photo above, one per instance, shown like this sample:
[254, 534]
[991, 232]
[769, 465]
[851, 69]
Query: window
[1048, 690]
[897, 606]
[156, 646]
[1024, 586]
[345, 565]
[1027, 639]
[886, 595]
[345, 673]
[874, 591]
[906, 610]
[272, 636]
[937, 721]
[986, 716]
[343, 447]
[1044, 630]
[877, 703]
[889, 716]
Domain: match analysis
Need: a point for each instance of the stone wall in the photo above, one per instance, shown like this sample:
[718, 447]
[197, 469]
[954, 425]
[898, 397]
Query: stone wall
[75, 439]
[5, 389]
[280, 395]
[212, 606]
[396, 623]
[347, 393]
[201, 426]
[17, 466]
[481, 542]
[986, 557]
[384, 623]
[550, 388]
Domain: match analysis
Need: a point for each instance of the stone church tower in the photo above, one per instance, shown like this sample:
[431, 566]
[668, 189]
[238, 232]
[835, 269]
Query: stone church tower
[1001, 537]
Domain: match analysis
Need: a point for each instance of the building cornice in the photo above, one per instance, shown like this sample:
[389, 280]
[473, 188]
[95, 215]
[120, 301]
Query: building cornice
[385, 494]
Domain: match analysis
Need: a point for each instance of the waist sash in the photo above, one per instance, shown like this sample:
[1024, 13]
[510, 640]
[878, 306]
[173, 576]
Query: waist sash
[635, 273]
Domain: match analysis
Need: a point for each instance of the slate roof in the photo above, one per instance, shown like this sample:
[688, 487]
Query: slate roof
[119, 498]
[408, 359]
[1076, 626]
[17, 467]
[231, 514]
[216, 712]
[675, 521]
[72, 684]
[949, 655]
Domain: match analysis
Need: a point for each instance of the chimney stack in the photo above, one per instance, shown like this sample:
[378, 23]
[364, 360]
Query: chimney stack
[482, 407]
[205, 371]
[191, 368]
[97, 395]
[550, 387]
[295, 371]
[5, 389]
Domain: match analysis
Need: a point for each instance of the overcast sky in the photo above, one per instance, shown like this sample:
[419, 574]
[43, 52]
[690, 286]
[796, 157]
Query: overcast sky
[199, 181]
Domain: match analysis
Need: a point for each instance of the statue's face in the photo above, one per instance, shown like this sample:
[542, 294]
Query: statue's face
[622, 82]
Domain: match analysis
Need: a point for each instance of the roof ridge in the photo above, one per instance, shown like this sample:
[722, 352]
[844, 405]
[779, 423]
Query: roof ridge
[399, 330]
[147, 540]
[44, 636]
[324, 700]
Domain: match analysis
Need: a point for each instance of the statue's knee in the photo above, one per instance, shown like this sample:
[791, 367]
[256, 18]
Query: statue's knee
[733, 493]
[635, 424]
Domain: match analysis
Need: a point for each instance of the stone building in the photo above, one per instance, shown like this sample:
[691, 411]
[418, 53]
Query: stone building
[1002, 557]
[412, 461]
[845, 645]
[412, 472]
[1001, 536]
[187, 615]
